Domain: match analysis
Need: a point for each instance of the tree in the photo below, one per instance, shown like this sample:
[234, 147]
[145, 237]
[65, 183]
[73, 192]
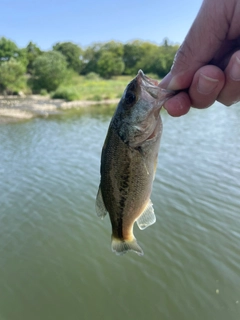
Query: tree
[11, 75]
[97, 51]
[109, 65]
[90, 58]
[32, 52]
[114, 47]
[133, 53]
[169, 52]
[149, 57]
[72, 53]
[49, 71]
[8, 50]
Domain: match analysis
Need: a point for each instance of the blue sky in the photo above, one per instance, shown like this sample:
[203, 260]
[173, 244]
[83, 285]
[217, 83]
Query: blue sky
[86, 21]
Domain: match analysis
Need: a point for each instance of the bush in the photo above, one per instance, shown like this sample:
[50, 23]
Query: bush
[43, 92]
[96, 97]
[8, 49]
[12, 76]
[68, 94]
[49, 71]
[92, 76]
[72, 53]
[109, 65]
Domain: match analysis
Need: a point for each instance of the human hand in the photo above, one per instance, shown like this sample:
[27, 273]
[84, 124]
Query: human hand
[207, 65]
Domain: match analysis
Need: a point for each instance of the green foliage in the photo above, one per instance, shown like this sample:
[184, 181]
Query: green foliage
[98, 51]
[116, 48]
[43, 92]
[22, 57]
[92, 76]
[49, 71]
[97, 97]
[12, 76]
[32, 52]
[60, 68]
[109, 64]
[68, 94]
[85, 89]
[149, 57]
[8, 50]
[90, 58]
[72, 53]
[133, 53]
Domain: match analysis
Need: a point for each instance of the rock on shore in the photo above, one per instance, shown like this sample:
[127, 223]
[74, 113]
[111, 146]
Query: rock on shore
[14, 108]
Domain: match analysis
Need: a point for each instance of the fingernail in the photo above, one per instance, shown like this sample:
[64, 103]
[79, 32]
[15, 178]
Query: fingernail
[173, 84]
[165, 81]
[206, 84]
[235, 70]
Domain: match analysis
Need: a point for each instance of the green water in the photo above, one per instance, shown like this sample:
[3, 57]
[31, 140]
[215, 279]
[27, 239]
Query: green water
[55, 256]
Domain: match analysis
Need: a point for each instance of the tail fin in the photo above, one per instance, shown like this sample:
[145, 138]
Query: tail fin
[122, 246]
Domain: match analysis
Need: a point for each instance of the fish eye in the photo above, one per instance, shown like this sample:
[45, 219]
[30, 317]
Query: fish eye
[130, 98]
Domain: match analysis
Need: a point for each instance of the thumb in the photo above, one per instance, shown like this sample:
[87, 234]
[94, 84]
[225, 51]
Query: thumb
[203, 40]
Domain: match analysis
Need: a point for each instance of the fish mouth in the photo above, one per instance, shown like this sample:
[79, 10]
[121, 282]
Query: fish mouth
[145, 80]
[152, 88]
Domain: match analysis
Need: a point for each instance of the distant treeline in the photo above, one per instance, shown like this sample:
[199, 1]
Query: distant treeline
[31, 69]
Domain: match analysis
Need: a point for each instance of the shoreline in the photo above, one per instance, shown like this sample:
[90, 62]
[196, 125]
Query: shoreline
[15, 108]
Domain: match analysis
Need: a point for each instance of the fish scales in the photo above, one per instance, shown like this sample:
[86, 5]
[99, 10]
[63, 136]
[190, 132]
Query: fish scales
[126, 191]
[128, 162]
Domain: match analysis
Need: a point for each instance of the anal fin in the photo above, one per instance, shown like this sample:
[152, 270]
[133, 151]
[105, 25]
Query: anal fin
[147, 218]
[99, 205]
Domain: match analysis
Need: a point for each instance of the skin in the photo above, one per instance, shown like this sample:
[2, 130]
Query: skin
[207, 66]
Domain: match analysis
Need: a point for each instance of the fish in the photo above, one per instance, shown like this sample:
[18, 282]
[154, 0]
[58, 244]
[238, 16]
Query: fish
[129, 160]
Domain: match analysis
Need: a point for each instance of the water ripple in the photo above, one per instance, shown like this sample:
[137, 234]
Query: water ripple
[55, 252]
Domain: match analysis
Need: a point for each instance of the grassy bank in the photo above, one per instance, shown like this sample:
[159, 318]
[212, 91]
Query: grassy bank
[94, 89]
[82, 88]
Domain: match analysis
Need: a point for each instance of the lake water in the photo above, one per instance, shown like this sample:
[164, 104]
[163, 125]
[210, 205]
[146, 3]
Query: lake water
[55, 256]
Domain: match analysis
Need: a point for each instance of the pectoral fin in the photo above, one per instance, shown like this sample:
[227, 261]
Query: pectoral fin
[100, 206]
[147, 218]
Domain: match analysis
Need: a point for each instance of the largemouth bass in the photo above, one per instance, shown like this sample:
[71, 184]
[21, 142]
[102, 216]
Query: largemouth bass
[129, 160]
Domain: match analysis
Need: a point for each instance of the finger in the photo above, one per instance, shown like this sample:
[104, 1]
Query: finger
[231, 91]
[207, 83]
[204, 33]
[178, 105]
